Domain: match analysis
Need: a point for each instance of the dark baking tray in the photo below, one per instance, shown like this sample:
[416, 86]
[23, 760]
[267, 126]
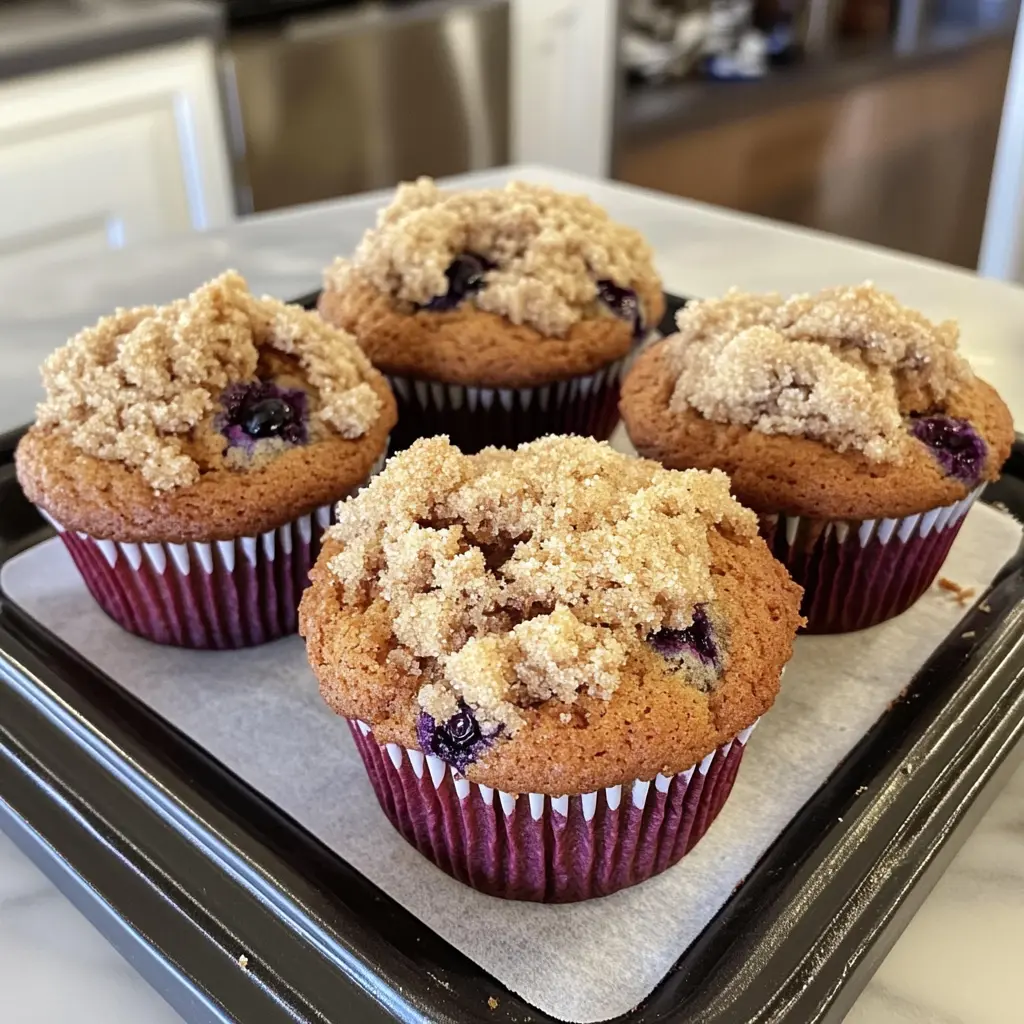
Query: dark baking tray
[187, 869]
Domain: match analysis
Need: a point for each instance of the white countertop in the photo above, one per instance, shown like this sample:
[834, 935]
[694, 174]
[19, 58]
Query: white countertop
[959, 959]
[701, 250]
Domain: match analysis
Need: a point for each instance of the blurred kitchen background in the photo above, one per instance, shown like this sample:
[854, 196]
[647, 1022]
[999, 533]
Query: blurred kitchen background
[123, 121]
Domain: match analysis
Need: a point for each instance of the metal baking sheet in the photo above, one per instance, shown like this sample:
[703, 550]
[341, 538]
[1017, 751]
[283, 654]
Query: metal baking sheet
[259, 713]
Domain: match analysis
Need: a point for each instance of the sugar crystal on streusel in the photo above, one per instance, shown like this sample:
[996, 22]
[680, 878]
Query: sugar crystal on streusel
[134, 387]
[541, 254]
[515, 577]
[843, 366]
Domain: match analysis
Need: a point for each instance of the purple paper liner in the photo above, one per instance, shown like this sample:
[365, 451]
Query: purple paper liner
[217, 595]
[546, 849]
[857, 573]
[475, 417]
[221, 595]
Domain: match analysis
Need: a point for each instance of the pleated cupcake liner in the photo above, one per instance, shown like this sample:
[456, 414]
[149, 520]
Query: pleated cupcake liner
[217, 595]
[858, 573]
[530, 846]
[475, 417]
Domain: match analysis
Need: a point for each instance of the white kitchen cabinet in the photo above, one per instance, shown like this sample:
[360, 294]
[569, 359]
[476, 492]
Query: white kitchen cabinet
[564, 66]
[112, 153]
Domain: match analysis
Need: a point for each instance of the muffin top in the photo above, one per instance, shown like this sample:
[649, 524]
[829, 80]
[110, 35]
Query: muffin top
[551, 619]
[180, 422]
[498, 286]
[839, 404]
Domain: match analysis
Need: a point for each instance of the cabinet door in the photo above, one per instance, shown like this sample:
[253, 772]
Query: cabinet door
[113, 153]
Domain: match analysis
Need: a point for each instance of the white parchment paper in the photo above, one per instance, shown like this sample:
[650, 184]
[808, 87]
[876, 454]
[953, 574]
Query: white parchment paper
[260, 713]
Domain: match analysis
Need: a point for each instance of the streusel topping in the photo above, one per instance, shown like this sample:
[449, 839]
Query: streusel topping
[843, 366]
[545, 251]
[514, 577]
[135, 387]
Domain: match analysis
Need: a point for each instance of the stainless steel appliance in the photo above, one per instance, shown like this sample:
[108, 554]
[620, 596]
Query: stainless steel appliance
[339, 101]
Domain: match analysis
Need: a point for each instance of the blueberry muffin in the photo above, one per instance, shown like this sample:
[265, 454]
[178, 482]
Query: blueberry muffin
[851, 424]
[548, 657]
[190, 454]
[498, 315]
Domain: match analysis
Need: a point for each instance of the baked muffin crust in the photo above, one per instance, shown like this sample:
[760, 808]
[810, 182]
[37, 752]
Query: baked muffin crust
[585, 610]
[818, 406]
[547, 273]
[470, 346]
[217, 415]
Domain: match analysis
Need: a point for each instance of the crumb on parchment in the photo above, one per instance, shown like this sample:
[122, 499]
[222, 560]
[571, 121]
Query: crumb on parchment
[514, 577]
[840, 366]
[133, 387]
[548, 249]
[961, 593]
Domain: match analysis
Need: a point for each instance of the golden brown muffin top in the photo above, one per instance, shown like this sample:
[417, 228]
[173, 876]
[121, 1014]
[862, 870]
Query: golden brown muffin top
[843, 366]
[469, 605]
[144, 387]
[773, 473]
[107, 500]
[528, 253]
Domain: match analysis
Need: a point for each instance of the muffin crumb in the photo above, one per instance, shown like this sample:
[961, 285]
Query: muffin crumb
[134, 387]
[544, 251]
[517, 577]
[961, 593]
[842, 366]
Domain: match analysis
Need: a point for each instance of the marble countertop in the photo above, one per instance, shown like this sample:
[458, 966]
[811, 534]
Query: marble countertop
[55, 967]
[958, 959]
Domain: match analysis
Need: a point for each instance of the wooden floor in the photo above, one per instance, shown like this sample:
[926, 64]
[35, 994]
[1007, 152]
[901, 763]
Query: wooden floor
[904, 162]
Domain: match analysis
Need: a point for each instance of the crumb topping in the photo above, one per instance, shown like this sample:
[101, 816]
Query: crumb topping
[517, 577]
[545, 251]
[135, 387]
[844, 366]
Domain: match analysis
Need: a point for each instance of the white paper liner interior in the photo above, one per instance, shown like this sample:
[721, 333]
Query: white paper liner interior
[637, 791]
[431, 396]
[923, 523]
[201, 554]
[258, 710]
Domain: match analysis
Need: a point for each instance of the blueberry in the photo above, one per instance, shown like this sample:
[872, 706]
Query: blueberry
[697, 639]
[459, 742]
[260, 410]
[956, 445]
[266, 418]
[624, 303]
[465, 277]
